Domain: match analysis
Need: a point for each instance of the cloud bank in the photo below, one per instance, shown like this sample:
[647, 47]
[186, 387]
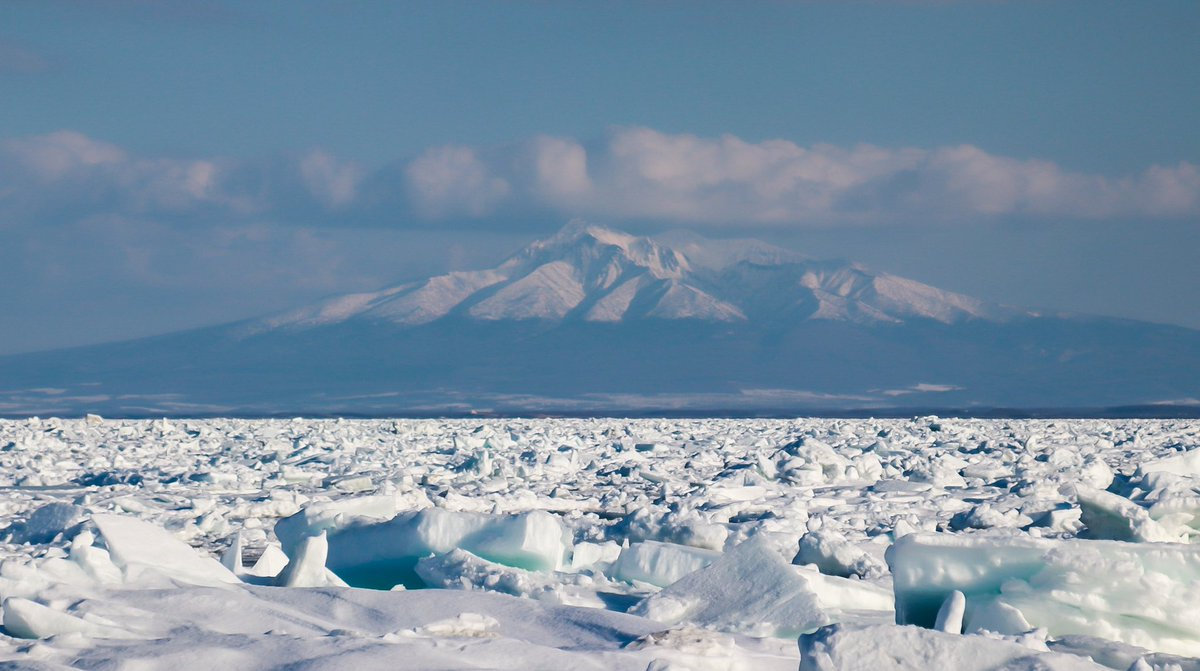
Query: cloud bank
[643, 173]
[631, 173]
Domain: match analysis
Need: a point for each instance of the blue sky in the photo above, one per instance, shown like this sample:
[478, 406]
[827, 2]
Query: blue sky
[172, 164]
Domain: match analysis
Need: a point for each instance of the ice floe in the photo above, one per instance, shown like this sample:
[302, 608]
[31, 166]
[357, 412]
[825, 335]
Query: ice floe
[610, 544]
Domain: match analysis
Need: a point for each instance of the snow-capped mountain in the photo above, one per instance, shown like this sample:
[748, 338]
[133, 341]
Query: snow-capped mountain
[596, 274]
[596, 320]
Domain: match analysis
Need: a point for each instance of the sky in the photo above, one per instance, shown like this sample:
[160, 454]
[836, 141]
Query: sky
[166, 165]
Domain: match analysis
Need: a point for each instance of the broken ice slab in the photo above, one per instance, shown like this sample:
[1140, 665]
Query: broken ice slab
[1107, 515]
[1145, 594]
[832, 554]
[1184, 464]
[367, 552]
[658, 563]
[45, 523]
[139, 547]
[23, 618]
[306, 568]
[751, 589]
[906, 648]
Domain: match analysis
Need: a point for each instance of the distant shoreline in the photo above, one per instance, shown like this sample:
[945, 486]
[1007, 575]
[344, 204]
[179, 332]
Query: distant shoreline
[1154, 411]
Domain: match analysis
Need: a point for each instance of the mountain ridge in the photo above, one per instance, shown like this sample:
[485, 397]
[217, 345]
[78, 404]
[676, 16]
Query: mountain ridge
[592, 319]
[595, 273]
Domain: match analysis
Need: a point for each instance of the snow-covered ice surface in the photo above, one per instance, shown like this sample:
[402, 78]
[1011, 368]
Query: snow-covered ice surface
[600, 544]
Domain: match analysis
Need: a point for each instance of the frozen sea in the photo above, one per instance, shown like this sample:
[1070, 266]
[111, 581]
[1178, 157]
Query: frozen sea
[922, 543]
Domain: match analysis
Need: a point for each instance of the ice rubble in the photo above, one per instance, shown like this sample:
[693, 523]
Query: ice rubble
[891, 648]
[832, 554]
[137, 547]
[1145, 594]
[660, 564]
[753, 578]
[602, 543]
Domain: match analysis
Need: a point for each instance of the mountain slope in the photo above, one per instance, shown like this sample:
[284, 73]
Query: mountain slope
[593, 273]
[593, 319]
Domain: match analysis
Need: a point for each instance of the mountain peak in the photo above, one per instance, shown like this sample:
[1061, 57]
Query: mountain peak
[718, 254]
[583, 243]
[591, 273]
[577, 229]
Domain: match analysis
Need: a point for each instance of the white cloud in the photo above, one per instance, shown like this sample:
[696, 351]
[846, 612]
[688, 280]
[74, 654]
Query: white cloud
[922, 388]
[69, 173]
[52, 156]
[454, 181]
[560, 170]
[331, 181]
[643, 173]
[632, 173]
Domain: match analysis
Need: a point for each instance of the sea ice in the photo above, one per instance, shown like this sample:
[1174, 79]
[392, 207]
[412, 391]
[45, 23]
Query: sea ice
[600, 543]
[1145, 594]
[908, 648]
[659, 564]
[751, 589]
[381, 554]
[138, 547]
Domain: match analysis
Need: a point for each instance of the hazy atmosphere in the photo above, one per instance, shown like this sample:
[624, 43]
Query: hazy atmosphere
[167, 165]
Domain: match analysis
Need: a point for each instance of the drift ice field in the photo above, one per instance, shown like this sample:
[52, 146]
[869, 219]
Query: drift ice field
[600, 544]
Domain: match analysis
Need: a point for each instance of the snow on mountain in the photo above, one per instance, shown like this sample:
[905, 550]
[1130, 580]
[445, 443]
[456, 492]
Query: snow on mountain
[718, 255]
[596, 274]
[596, 319]
[853, 293]
[549, 292]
